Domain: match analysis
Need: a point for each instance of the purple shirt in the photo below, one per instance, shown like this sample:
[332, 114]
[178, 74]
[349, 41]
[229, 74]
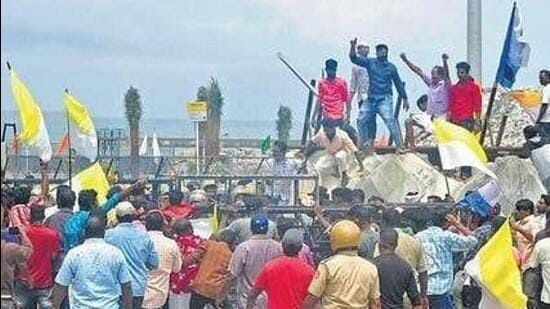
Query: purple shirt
[438, 96]
[306, 255]
[57, 220]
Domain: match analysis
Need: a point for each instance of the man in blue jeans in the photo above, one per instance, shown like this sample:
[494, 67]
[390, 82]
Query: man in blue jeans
[382, 74]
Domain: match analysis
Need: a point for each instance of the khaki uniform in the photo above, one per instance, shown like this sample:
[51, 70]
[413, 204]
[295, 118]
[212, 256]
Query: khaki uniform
[346, 280]
[409, 249]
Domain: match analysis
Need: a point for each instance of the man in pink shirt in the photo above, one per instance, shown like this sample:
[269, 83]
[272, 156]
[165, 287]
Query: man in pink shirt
[333, 95]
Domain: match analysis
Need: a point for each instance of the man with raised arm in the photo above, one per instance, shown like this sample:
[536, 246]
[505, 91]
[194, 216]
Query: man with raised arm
[382, 74]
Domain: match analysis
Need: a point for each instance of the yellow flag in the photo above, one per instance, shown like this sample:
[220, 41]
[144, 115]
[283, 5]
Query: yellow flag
[34, 133]
[92, 178]
[215, 220]
[459, 147]
[83, 134]
[496, 270]
[527, 98]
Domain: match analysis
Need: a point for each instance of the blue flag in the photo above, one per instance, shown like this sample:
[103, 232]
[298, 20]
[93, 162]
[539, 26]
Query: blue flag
[515, 53]
[483, 200]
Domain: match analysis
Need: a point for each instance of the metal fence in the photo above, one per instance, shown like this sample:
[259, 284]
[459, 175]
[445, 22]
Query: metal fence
[20, 166]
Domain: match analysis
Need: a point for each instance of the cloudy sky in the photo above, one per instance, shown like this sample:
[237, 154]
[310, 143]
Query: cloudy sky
[168, 48]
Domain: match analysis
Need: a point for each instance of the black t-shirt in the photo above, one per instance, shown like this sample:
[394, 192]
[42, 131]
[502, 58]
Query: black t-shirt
[396, 277]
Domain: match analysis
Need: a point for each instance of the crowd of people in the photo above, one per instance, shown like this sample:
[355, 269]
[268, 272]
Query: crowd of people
[134, 251]
[372, 83]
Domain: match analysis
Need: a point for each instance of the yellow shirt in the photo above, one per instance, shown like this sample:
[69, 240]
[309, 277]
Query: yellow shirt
[346, 280]
[409, 249]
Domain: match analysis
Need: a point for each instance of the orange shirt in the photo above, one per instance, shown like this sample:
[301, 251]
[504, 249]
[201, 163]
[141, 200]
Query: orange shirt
[213, 270]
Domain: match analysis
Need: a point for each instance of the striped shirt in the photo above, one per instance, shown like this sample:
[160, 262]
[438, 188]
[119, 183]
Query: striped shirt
[439, 246]
[158, 281]
[248, 260]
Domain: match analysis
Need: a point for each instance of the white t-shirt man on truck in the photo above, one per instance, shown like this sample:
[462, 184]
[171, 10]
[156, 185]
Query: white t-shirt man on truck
[543, 119]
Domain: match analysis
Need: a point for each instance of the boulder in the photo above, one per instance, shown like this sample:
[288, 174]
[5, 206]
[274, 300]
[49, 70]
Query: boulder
[518, 179]
[393, 176]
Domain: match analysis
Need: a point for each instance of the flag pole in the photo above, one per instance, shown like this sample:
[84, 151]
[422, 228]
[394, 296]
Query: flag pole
[293, 70]
[69, 146]
[489, 111]
[496, 82]
[447, 185]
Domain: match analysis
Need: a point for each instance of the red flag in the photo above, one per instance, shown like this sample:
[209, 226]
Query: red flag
[15, 144]
[62, 147]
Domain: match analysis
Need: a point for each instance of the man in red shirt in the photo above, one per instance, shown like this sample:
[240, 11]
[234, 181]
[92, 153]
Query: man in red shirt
[177, 208]
[33, 288]
[284, 279]
[465, 104]
[333, 95]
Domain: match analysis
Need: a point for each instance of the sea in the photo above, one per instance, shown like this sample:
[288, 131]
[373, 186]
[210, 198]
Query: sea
[164, 127]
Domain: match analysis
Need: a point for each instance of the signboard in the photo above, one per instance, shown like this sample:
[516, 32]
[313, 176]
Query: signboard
[197, 110]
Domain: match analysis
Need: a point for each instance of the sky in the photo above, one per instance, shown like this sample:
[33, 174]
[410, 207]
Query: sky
[168, 48]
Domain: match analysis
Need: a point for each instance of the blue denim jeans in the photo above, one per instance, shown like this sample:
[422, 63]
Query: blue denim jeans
[366, 121]
[27, 298]
[440, 301]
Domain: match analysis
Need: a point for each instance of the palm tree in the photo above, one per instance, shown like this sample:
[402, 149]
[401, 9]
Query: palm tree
[215, 105]
[209, 131]
[284, 123]
[132, 105]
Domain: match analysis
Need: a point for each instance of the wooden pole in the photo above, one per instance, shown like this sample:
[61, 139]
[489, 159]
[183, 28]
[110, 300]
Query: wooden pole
[159, 167]
[488, 113]
[396, 115]
[57, 168]
[110, 166]
[307, 120]
[197, 150]
[259, 165]
[291, 68]
[501, 129]
[69, 145]
[447, 184]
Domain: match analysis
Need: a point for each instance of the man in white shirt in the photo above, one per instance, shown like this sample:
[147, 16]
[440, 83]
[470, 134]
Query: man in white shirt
[421, 120]
[337, 147]
[543, 120]
[541, 257]
[359, 84]
[543, 206]
[280, 165]
[158, 280]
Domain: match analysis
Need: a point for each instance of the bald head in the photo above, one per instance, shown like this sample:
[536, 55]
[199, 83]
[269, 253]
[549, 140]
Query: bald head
[95, 226]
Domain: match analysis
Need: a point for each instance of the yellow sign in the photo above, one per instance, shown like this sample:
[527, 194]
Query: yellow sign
[197, 110]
